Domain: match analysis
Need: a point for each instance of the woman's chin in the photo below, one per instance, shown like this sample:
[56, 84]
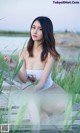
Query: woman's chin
[34, 39]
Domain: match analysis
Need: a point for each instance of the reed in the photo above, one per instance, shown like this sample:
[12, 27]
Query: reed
[70, 83]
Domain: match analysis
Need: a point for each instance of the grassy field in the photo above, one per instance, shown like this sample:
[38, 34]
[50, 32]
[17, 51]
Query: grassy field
[14, 33]
[70, 83]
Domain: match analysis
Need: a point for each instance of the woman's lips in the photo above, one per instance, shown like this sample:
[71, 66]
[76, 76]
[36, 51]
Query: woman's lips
[34, 36]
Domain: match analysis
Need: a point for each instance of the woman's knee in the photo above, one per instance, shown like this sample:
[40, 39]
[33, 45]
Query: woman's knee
[60, 107]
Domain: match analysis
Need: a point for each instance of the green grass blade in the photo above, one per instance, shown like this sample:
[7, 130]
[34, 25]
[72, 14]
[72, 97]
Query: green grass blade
[18, 68]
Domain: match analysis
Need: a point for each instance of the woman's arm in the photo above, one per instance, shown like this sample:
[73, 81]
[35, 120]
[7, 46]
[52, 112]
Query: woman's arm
[46, 73]
[22, 73]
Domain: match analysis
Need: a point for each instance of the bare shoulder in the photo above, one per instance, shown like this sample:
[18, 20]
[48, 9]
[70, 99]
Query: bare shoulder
[50, 57]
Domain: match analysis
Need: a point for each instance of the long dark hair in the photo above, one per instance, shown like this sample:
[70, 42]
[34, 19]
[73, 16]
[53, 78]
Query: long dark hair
[48, 44]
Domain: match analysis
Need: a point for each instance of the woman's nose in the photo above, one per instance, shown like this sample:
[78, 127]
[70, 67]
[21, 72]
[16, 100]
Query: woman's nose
[35, 31]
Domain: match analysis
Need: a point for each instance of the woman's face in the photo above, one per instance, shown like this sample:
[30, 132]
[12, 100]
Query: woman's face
[36, 31]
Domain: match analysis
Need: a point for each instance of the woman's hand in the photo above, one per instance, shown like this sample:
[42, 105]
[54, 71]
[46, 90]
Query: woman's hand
[9, 61]
[32, 78]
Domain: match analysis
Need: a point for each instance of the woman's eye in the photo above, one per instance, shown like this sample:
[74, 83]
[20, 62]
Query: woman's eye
[33, 27]
[40, 29]
[37, 28]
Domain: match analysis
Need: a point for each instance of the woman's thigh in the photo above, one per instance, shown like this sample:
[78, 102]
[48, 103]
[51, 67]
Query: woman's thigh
[54, 100]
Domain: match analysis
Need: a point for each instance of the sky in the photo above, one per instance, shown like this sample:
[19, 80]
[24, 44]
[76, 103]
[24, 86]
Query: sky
[17, 15]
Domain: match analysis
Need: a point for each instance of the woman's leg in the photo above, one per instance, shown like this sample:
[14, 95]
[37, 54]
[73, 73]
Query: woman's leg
[53, 100]
[34, 114]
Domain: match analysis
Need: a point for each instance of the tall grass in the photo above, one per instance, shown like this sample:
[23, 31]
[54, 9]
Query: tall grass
[70, 83]
[7, 72]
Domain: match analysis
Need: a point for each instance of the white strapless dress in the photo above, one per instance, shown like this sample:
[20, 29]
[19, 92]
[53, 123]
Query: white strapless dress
[37, 74]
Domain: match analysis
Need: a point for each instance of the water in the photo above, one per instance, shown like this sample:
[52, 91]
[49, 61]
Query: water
[9, 44]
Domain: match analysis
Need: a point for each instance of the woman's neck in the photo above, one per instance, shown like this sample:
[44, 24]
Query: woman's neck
[37, 45]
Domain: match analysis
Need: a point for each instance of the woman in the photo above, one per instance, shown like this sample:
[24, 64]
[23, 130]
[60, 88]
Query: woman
[39, 58]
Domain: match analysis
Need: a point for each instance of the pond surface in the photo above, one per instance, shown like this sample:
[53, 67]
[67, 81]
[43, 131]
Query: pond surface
[10, 44]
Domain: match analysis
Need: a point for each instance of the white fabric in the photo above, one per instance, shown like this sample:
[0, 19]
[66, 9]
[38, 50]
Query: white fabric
[37, 74]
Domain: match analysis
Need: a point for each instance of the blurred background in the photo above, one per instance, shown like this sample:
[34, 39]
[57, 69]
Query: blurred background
[16, 17]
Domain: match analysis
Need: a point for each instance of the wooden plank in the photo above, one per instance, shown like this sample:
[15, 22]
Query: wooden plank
[14, 111]
[26, 125]
[57, 120]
